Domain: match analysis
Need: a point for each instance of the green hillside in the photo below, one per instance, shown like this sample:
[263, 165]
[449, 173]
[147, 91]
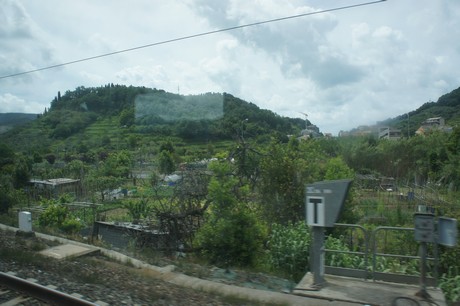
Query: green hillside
[115, 114]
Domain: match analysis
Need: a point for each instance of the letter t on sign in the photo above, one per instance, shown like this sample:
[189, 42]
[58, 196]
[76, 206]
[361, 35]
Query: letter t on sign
[315, 211]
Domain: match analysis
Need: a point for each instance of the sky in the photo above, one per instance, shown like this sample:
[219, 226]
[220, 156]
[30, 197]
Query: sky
[343, 68]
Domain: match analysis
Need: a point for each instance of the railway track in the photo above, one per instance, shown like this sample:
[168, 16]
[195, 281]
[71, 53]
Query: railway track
[19, 291]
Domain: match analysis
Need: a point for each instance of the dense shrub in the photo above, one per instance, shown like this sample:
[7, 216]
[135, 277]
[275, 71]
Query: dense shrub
[53, 216]
[232, 241]
[57, 216]
[71, 226]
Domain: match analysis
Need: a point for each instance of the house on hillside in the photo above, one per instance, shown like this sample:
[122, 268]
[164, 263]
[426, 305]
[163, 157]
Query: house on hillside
[115, 194]
[310, 131]
[172, 179]
[433, 124]
[389, 133]
[360, 131]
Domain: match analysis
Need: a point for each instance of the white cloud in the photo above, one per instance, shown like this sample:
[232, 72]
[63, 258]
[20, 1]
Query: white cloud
[343, 68]
[12, 104]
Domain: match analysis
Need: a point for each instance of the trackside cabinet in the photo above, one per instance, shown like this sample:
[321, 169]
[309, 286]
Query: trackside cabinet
[25, 221]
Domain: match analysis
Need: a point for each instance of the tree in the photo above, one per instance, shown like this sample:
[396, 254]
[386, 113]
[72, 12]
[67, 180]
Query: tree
[96, 182]
[132, 141]
[6, 155]
[451, 169]
[9, 197]
[76, 169]
[284, 171]
[50, 158]
[127, 117]
[233, 233]
[337, 169]
[37, 158]
[117, 164]
[21, 175]
[166, 162]
[235, 240]
[181, 213]
[167, 146]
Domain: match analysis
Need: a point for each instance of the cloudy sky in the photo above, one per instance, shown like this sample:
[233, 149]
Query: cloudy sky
[343, 68]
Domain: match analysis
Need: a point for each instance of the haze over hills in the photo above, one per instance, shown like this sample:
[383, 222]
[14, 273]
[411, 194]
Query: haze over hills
[11, 120]
[447, 107]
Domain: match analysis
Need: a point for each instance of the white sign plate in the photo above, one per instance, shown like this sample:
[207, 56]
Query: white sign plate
[316, 211]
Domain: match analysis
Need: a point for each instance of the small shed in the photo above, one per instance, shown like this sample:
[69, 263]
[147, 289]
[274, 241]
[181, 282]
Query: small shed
[53, 188]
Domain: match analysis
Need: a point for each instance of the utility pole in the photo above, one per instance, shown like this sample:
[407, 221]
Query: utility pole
[408, 125]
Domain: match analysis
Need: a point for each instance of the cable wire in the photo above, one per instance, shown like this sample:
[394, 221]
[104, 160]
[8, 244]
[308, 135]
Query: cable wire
[190, 37]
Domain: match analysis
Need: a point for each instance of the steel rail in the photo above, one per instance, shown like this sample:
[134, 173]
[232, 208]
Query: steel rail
[40, 292]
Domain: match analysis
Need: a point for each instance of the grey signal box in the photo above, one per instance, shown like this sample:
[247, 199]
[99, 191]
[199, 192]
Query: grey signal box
[447, 231]
[325, 201]
[424, 227]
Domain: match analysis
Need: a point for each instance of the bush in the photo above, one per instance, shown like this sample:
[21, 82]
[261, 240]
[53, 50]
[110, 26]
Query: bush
[53, 216]
[71, 226]
[289, 249]
[235, 240]
[57, 216]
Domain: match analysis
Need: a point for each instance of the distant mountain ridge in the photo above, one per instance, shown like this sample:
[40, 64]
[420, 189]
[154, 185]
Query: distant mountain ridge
[11, 120]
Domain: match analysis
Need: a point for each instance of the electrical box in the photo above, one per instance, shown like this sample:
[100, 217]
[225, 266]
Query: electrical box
[25, 221]
[447, 231]
[424, 227]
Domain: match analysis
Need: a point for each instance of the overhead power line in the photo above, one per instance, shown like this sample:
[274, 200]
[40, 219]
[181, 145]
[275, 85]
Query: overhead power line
[190, 37]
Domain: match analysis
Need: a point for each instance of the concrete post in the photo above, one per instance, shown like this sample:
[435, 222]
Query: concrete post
[317, 257]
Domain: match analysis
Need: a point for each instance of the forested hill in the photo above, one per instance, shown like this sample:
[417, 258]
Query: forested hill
[447, 106]
[210, 116]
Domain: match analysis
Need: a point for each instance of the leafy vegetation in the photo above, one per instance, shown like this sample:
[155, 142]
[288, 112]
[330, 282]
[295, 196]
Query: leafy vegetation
[288, 247]
[57, 216]
[223, 178]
